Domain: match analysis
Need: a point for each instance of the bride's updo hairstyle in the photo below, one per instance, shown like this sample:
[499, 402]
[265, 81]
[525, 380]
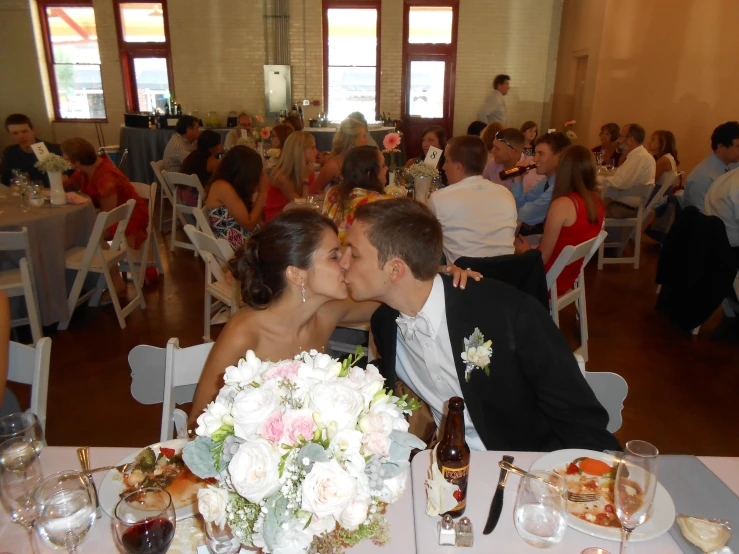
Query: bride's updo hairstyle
[290, 239]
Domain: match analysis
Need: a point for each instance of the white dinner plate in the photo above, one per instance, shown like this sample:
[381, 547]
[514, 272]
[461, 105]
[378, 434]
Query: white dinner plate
[111, 488]
[663, 509]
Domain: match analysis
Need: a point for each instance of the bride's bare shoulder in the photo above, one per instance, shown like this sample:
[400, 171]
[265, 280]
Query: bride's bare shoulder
[240, 331]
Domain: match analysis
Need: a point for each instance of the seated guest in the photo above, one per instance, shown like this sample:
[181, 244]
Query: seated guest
[575, 215]
[363, 178]
[20, 156]
[478, 218]
[639, 168]
[279, 135]
[290, 178]
[531, 397]
[476, 128]
[293, 121]
[534, 204]
[507, 154]
[488, 136]
[183, 141]
[236, 195]
[530, 130]
[8, 401]
[351, 133]
[494, 108]
[433, 135]
[202, 162]
[243, 125]
[608, 144]
[663, 147]
[725, 146]
[359, 116]
[722, 200]
[96, 176]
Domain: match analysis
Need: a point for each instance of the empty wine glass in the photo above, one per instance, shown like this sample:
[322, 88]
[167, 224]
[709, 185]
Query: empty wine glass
[541, 509]
[145, 521]
[599, 157]
[636, 483]
[20, 474]
[22, 424]
[66, 503]
[221, 541]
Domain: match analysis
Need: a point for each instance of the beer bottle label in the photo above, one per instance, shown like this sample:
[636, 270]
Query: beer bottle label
[457, 476]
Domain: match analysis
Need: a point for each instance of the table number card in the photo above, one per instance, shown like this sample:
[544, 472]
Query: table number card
[244, 134]
[40, 150]
[433, 156]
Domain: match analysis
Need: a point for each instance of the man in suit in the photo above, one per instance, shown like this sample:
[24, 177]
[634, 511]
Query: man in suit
[535, 398]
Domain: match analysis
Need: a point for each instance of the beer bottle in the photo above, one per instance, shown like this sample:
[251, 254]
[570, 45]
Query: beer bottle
[515, 171]
[453, 454]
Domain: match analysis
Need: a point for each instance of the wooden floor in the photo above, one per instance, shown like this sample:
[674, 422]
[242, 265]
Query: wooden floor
[683, 389]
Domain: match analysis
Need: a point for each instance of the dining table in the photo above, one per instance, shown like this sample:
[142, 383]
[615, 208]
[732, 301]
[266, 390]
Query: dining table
[411, 530]
[51, 231]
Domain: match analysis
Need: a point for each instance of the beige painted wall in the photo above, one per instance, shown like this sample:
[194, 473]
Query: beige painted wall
[665, 64]
[218, 54]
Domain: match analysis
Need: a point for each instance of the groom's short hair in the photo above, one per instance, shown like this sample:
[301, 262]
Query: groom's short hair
[406, 229]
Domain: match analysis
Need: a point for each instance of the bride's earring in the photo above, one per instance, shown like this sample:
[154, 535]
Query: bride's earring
[302, 291]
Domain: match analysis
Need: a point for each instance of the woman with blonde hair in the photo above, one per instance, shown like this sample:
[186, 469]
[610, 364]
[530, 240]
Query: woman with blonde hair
[351, 133]
[663, 146]
[575, 214]
[292, 176]
[488, 136]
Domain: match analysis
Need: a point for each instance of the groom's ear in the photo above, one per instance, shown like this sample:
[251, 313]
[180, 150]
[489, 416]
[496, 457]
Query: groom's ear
[397, 269]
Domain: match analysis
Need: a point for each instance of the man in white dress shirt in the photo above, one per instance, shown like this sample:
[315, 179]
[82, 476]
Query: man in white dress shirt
[478, 218]
[494, 108]
[243, 125]
[722, 200]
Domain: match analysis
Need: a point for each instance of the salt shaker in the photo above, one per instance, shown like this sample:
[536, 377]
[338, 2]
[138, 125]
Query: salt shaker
[446, 531]
[465, 537]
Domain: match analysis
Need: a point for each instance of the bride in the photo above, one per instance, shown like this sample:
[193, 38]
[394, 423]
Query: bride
[295, 297]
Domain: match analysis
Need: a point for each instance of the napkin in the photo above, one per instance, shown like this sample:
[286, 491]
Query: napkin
[77, 199]
[188, 536]
[439, 491]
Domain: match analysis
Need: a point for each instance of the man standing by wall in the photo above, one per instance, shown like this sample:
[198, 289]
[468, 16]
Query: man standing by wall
[494, 108]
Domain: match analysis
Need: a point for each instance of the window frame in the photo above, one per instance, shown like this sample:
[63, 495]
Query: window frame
[360, 5]
[132, 50]
[46, 36]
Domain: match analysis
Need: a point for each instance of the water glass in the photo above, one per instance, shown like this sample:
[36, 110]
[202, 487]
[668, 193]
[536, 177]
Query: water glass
[22, 424]
[66, 503]
[19, 476]
[144, 521]
[636, 484]
[541, 509]
[599, 157]
[221, 541]
[34, 197]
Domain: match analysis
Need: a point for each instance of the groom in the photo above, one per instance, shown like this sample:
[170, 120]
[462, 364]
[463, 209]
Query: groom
[534, 399]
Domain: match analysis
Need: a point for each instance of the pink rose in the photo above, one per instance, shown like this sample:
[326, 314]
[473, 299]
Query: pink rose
[296, 423]
[273, 427]
[287, 369]
[376, 443]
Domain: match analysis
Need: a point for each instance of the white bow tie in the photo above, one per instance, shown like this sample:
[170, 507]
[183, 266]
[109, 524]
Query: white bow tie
[409, 325]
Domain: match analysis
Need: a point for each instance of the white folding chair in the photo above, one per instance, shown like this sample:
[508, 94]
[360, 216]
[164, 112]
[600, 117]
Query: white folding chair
[215, 253]
[169, 377]
[571, 254]
[95, 258]
[140, 258]
[164, 192]
[610, 389]
[637, 222]
[20, 282]
[178, 210]
[203, 224]
[29, 365]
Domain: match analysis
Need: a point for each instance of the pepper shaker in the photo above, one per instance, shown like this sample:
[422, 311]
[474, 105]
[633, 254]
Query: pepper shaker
[446, 531]
[465, 537]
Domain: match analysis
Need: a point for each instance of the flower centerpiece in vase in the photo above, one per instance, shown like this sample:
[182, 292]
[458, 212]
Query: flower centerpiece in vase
[53, 165]
[390, 144]
[422, 175]
[306, 453]
[572, 135]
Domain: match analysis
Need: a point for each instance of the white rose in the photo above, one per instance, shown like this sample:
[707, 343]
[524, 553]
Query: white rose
[254, 470]
[379, 422]
[327, 489]
[321, 525]
[212, 503]
[247, 371]
[387, 407]
[212, 418]
[394, 488]
[377, 443]
[251, 408]
[293, 538]
[337, 402]
[354, 514]
[368, 382]
[319, 367]
[346, 442]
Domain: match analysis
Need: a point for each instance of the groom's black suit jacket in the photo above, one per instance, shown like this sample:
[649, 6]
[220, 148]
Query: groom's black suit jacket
[536, 398]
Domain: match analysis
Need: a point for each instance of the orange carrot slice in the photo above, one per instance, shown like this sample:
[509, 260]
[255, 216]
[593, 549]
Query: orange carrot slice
[594, 467]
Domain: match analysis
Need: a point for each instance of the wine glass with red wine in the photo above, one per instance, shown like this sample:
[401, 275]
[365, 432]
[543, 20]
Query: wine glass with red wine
[145, 521]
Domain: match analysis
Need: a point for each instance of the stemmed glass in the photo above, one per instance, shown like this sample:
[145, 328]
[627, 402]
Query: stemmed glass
[636, 483]
[221, 541]
[22, 424]
[145, 521]
[541, 508]
[66, 503]
[599, 157]
[20, 474]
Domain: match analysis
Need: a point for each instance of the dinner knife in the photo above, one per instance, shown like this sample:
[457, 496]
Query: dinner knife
[497, 504]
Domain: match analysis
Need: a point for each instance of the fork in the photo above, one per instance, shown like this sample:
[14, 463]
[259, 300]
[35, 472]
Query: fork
[577, 497]
[571, 496]
[121, 468]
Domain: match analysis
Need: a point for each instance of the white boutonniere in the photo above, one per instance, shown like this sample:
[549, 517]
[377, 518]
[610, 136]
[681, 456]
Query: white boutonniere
[477, 353]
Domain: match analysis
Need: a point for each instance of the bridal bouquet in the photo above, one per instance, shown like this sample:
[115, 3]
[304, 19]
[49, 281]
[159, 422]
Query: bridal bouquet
[307, 453]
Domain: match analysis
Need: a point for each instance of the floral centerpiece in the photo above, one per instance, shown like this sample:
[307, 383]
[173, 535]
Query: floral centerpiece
[568, 130]
[390, 146]
[307, 453]
[423, 170]
[52, 162]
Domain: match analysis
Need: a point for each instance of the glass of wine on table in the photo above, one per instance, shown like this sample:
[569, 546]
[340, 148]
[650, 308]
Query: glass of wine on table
[145, 521]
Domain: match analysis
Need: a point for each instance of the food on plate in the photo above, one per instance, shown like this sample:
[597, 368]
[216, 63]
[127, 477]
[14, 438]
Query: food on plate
[591, 476]
[707, 535]
[165, 470]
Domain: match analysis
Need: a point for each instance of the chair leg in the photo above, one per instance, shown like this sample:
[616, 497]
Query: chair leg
[31, 307]
[137, 284]
[74, 295]
[206, 317]
[157, 256]
[601, 250]
[174, 224]
[99, 289]
[583, 321]
[114, 297]
[161, 207]
[637, 243]
[554, 306]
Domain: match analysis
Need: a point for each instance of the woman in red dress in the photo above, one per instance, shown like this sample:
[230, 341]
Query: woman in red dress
[96, 176]
[575, 214]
